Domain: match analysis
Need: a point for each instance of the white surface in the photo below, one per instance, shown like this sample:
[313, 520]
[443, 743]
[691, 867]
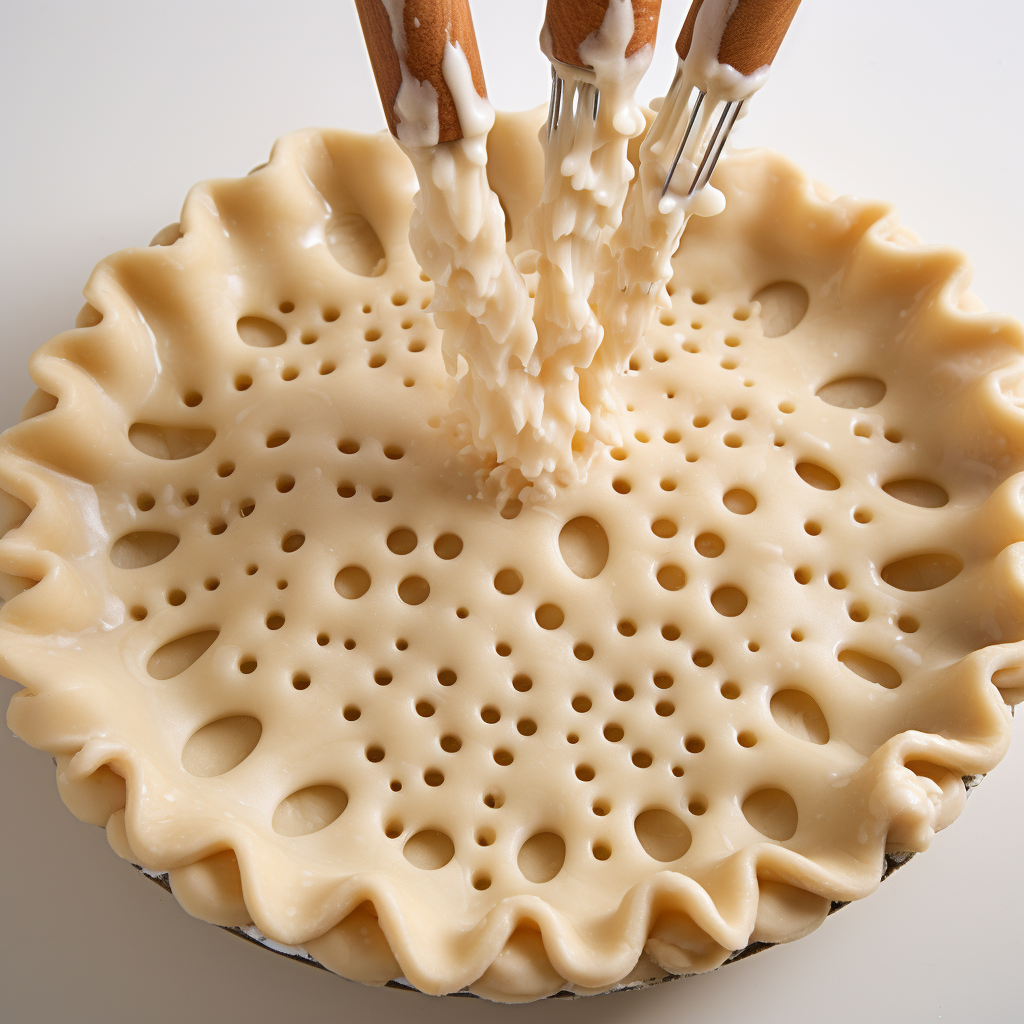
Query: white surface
[113, 109]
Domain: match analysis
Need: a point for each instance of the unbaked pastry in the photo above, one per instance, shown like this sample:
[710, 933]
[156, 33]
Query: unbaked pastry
[284, 651]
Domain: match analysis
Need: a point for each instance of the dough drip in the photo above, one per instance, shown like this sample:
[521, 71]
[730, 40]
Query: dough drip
[534, 390]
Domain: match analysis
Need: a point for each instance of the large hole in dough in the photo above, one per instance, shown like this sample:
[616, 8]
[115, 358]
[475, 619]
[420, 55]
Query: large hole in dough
[401, 541]
[729, 601]
[817, 476]
[429, 849]
[260, 332]
[584, 546]
[917, 492]
[309, 810]
[448, 546]
[355, 245]
[671, 577]
[414, 590]
[549, 616]
[662, 834]
[508, 581]
[922, 572]
[164, 442]
[772, 812]
[135, 550]
[221, 746]
[800, 716]
[174, 657]
[353, 581]
[853, 392]
[871, 669]
[541, 857]
[739, 501]
[783, 306]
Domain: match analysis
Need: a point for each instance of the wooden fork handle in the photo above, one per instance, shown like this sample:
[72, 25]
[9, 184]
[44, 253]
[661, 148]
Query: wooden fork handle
[752, 36]
[569, 22]
[427, 26]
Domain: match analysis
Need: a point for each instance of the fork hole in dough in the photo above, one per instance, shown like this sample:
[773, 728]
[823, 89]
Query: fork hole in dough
[549, 616]
[664, 528]
[739, 501]
[772, 812]
[429, 849]
[797, 713]
[448, 546]
[729, 601]
[508, 581]
[663, 835]
[220, 746]
[352, 582]
[671, 577]
[583, 545]
[309, 810]
[541, 857]
[710, 545]
[401, 541]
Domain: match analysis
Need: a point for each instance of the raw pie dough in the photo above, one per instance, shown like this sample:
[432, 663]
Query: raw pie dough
[285, 652]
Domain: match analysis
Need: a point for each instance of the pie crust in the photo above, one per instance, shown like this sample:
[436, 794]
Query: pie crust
[282, 648]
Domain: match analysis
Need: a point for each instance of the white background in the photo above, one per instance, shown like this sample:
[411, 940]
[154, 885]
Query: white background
[112, 109]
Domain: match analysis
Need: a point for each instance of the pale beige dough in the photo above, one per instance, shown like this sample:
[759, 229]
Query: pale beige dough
[275, 626]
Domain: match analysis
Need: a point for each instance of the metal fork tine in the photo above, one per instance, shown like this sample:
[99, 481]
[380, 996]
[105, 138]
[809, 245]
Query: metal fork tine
[551, 102]
[717, 146]
[682, 145]
[711, 146]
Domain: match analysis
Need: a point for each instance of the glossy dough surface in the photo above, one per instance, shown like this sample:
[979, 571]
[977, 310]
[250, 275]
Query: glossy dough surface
[280, 646]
